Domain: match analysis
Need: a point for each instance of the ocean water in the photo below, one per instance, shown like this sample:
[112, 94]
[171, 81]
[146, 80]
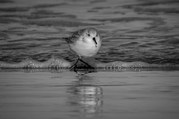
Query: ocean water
[131, 30]
[134, 33]
[101, 95]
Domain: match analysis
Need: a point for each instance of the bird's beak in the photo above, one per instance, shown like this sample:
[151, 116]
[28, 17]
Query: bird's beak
[94, 39]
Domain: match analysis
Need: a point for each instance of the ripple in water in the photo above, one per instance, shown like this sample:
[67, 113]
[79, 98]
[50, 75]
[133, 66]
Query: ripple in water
[144, 31]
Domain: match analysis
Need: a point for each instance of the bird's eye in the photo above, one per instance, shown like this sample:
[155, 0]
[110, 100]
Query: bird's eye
[88, 34]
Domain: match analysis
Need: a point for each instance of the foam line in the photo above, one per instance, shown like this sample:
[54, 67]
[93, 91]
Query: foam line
[55, 63]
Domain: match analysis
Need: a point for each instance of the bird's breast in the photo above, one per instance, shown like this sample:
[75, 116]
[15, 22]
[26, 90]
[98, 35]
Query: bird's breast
[86, 49]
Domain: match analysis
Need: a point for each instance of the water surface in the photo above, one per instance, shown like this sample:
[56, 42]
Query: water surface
[132, 30]
[64, 95]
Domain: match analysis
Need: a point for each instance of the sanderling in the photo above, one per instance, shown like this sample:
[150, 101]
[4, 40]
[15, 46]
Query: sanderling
[85, 43]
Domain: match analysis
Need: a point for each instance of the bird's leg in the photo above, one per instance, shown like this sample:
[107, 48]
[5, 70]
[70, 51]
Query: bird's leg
[85, 63]
[74, 65]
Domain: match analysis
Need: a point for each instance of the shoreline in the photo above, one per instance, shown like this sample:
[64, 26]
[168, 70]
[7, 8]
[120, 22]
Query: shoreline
[55, 63]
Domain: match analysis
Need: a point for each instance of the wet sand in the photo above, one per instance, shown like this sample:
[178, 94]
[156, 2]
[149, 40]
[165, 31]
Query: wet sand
[65, 95]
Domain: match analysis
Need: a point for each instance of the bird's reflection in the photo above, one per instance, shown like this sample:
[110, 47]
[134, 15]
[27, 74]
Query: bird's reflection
[86, 97]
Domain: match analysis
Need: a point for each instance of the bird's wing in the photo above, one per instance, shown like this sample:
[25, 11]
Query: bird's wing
[69, 40]
[74, 37]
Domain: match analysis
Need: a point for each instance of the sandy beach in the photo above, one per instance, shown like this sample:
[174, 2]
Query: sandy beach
[64, 95]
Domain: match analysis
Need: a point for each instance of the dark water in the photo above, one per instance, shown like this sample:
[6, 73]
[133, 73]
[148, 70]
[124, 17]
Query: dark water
[132, 30]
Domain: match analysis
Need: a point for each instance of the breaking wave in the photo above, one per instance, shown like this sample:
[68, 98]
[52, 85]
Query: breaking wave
[57, 64]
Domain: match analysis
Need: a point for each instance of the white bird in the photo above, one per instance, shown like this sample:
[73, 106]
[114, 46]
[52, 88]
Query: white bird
[85, 43]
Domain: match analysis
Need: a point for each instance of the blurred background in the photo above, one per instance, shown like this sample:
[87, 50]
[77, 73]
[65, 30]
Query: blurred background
[132, 30]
